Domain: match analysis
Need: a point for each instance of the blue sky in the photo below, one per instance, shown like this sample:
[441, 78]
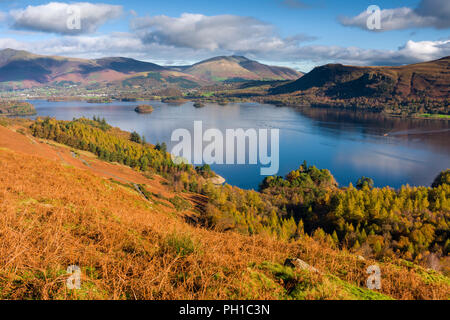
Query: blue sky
[300, 34]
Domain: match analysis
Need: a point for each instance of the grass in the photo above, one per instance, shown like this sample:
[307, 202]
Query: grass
[54, 216]
[182, 245]
[208, 94]
[428, 276]
[302, 284]
[21, 131]
[435, 116]
[180, 204]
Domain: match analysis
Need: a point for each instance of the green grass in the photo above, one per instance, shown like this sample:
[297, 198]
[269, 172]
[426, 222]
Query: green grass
[182, 245]
[294, 284]
[435, 116]
[218, 79]
[429, 276]
[180, 204]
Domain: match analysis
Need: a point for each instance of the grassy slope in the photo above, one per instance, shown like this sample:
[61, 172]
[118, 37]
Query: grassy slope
[55, 214]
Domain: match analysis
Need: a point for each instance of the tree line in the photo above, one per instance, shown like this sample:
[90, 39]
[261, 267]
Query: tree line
[411, 223]
[108, 143]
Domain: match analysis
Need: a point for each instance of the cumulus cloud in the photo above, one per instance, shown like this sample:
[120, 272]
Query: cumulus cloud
[100, 46]
[193, 37]
[63, 18]
[301, 57]
[429, 14]
[223, 32]
[82, 46]
[411, 52]
[227, 34]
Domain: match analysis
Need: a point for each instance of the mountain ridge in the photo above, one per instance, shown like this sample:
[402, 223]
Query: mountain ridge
[240, 67]
[22, 69]
[344, 81]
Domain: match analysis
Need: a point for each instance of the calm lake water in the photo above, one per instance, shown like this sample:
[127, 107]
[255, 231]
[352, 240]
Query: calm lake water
[349, 144]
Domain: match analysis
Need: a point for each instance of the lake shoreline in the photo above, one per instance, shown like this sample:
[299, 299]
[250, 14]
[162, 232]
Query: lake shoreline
[202, 103]
[350, 144]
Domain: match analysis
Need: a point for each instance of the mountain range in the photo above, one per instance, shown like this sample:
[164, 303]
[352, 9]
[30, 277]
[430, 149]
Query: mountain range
[22, 69]
[337, 81]
[324, 85]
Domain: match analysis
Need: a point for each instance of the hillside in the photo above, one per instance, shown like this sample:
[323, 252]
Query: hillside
[16, 108]
[380, 87]
[135, 235]
[237, 68]
[339, 81]
[21, 69]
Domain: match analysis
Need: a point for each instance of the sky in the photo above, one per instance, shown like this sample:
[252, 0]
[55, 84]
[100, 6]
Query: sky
[300, 34]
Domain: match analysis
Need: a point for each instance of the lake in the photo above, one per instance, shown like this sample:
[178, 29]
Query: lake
[392, 151]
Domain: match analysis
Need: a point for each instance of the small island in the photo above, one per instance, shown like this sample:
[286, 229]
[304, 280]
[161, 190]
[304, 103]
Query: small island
[174, 100]
[99, 100]
[199, 104]
[144, 109]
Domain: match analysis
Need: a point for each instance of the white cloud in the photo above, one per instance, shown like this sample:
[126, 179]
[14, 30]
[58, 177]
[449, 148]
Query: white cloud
[300, 57]
[425, 50]
[198, 35]
[80, 46]
[411, 52]
[429, 14]
[54, 16]
[193, 37]
[223, 32]
[99, 46]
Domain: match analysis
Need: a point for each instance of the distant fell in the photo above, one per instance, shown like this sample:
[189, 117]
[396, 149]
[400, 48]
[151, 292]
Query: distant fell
[428, 79]
[239, 68]
[22, 69]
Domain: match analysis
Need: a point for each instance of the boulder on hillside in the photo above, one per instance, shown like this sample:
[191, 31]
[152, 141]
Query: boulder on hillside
[300, 264]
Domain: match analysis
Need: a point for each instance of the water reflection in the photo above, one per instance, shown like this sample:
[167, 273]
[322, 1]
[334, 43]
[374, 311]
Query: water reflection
[392, 151]
[433, 132]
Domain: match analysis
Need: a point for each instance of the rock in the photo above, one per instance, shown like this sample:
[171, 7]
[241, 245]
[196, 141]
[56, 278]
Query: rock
[217, 180]
[299, 264]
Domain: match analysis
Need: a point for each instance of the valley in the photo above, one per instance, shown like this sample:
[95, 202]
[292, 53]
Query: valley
[177, 231]
[407, 91]
[224, 159]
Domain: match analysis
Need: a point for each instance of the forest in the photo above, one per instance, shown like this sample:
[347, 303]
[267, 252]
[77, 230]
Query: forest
[109, 144]
[411, 223]
[16, 108]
